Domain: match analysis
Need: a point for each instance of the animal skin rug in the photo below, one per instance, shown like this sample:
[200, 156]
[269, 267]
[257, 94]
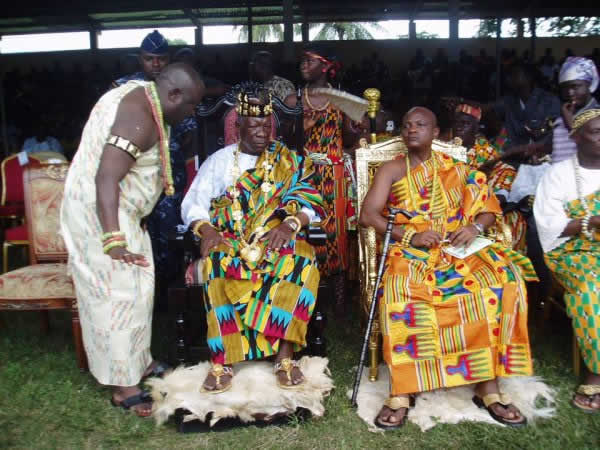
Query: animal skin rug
[254, 392]
[455, 405]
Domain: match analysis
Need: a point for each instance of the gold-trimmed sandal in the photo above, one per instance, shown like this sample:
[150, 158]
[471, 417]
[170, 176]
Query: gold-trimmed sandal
[503, 400]
[588, 390]
[394, 403]
[286, 365]
[217, 371]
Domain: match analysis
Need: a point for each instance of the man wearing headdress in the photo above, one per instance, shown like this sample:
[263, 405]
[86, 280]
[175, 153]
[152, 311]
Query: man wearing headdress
[251, 203]
[445, 321]
[327, 130]
[484, 157]
[153, 57]
[567, 212]
[115, 179]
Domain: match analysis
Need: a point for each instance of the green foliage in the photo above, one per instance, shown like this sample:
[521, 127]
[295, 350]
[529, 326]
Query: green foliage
[261, 33]
[46, 403]
[346, 31]
[574, 26]
[177, 42]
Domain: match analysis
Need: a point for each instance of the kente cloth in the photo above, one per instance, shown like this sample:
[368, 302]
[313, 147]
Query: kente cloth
[500, 182]
[251, 306]
[325, 138]
[166, 215]
[575, 260]
[579, 68]
[114, 299]
[445, 321]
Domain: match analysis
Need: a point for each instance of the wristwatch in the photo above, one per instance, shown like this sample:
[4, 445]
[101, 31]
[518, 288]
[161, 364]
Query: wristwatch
[479, 227]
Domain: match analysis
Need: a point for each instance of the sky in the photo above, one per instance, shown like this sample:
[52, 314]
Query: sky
[225, 34]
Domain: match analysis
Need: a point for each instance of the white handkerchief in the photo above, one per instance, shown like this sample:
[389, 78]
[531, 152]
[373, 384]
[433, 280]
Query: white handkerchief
[463, 252]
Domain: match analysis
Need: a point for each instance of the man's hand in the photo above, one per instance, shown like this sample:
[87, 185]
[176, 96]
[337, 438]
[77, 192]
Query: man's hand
[594, 222]
[279, 237]
[122, 254]
[427, 239]
[567, 111]
[210, 239]
[464, 236]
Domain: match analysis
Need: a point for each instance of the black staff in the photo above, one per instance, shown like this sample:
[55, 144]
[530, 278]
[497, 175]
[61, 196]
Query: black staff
[363, 353]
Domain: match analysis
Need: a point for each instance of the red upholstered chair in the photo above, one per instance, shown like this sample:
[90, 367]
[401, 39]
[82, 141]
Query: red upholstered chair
[44, 284]
[190, 171]
[11, 201]
[15, 236]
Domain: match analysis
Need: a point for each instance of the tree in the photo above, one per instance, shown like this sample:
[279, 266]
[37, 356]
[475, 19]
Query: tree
[261, 33]
[573, 26]
[347, 31]
[176, 42]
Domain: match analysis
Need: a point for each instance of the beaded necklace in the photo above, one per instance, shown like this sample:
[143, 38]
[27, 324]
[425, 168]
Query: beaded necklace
[163, 138]
[250, 251]
[585, 222]
[310, 105]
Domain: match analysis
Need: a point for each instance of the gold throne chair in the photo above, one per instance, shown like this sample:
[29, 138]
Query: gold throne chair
[369, 156]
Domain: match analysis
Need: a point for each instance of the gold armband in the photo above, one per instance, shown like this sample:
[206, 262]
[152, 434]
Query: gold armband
[124, 144]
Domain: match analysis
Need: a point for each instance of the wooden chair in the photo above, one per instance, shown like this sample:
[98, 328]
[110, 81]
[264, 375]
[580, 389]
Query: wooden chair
[45, 284]
[368, 159]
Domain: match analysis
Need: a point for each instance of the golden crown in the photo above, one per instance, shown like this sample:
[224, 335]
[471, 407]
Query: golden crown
[253, 106]
[584, 117]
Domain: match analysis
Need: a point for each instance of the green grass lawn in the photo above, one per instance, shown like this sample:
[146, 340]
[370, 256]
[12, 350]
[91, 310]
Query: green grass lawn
[45, 402]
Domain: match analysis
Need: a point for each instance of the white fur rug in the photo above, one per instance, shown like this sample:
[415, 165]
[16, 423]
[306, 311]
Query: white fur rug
[254, 392]
[454, 405]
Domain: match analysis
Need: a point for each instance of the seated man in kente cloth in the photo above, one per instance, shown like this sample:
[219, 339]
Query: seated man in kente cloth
[251, 202]
[484, 157]
[445, 321]
[567, 213]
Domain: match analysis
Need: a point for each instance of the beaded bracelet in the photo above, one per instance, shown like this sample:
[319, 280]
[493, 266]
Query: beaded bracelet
[585, 227]
[108, 247]
[113, 239]
[111, 234]
[407, 237]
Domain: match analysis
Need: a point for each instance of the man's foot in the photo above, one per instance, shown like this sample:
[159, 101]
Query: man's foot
[156, 369]
[587, 398]
[289, 375]
[133, 398]
[500, 407]
[393, 412]
[218, 379]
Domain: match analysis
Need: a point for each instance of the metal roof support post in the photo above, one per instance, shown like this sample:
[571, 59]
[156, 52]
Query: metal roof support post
[198, 39]
[453, 10]
[288, 30]
[412, 29]
[3, 113]
[249, 30]
[498, 51]
[532, 28]
[305, 28]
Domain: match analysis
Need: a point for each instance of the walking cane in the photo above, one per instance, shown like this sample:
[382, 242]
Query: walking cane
[363, 353]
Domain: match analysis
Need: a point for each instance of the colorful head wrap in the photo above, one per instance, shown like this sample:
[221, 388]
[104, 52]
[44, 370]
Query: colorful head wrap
[155, 43]
[327, 58]
[578, 68]
[470, 110]
[582, 118]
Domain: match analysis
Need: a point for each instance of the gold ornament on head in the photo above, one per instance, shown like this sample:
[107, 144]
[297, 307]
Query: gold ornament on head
[584, 117]
[253, 106]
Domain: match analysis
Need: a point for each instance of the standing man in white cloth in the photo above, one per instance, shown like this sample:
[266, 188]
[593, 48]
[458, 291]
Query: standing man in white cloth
[120, 169]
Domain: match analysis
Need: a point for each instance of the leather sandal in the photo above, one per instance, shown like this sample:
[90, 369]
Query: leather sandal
[287, 365]
[504, 400]
[218, 371]
[589, 391]
[158, 371]
[394, 403]
[134, 400]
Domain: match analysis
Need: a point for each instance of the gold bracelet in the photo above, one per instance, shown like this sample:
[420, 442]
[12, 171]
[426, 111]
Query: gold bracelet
[196, 228]
[112, 234]
[108, 247]
[407, 237]
[295, 219]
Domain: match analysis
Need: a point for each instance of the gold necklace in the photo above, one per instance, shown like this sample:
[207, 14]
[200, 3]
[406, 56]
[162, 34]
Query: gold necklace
[310, 105]
[250, 251]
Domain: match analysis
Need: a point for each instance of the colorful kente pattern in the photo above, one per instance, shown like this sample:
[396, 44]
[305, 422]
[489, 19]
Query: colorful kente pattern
[448, 322]
[576, 265]
[251, 306]
[500, 179]
[325, 136]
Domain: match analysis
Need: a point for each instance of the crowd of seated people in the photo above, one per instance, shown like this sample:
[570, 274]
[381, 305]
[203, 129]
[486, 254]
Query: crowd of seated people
[526, 127]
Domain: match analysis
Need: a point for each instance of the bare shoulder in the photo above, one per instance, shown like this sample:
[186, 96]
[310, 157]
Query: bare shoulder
[134, 120]
[393, 170]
